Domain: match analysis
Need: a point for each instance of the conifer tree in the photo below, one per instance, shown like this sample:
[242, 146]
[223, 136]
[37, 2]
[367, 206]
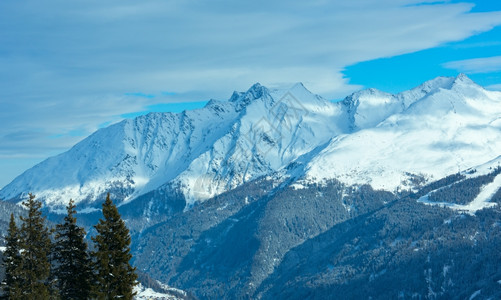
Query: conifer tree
[35, 247]
[12, 263]
[72, 269]
[115, 277]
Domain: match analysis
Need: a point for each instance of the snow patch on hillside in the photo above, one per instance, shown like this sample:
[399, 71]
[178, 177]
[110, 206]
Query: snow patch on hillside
[481, 201]
[144, 293]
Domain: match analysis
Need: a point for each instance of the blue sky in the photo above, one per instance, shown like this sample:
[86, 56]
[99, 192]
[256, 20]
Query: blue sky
[68, 68]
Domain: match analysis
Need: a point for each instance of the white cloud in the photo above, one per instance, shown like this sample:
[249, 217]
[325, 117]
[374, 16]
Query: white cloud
[494, 87]
[476, 65]
[65, 66]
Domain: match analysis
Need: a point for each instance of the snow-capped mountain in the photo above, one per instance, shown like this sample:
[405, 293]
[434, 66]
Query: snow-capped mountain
[201, 152]
[438, 128]
[442, 127]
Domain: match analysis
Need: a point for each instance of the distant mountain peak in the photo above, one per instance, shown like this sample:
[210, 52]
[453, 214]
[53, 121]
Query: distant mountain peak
[463, 79]
[299, 86]
[256, 91]
[435, 84]
[365, 93]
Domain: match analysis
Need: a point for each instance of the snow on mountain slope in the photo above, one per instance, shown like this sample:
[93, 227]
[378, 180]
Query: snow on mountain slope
[275, 130]
[369, 107]
[480, 202]
[484, 197]
[454, 126]
[128, 158]
[444, 125]
[201, 153]
[144, 293]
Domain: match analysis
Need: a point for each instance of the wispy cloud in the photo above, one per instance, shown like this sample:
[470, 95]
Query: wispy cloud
[476, 65]
[494, 87]
[68, 66]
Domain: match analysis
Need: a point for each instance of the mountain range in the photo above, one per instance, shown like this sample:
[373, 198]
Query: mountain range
[280, 190]
[370, 137]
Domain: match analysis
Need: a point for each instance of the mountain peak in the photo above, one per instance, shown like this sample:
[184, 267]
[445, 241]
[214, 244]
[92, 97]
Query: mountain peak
[370, 91]
[299, 89]
[370, 106]
[256, 91]
[299, 85]
[437, 83]
[442, 82]
[463, 79]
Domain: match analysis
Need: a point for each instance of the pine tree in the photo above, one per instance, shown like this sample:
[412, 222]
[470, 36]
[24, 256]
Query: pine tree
[72, 269]
[12, 263]
[35, 247]
[115, 277]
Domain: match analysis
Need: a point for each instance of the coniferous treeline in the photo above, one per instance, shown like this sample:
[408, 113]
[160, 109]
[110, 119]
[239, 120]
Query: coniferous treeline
[465, 191]
[56, 264]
